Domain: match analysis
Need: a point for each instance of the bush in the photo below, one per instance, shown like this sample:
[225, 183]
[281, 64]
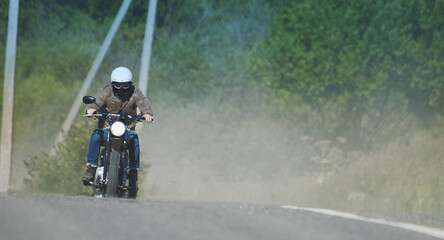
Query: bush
[61, 172]
[353, 64]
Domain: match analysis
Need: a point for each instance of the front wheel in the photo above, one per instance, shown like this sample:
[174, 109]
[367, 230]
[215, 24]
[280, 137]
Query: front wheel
[113, 174]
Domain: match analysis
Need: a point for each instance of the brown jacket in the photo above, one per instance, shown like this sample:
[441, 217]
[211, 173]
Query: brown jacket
[106, 98]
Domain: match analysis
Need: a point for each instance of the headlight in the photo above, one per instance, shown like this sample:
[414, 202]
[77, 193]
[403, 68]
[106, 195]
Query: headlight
[118, 129]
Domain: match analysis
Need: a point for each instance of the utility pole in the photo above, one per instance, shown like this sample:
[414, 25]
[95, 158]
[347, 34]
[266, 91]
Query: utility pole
[91, 74]
[147, 46]
[8, 97]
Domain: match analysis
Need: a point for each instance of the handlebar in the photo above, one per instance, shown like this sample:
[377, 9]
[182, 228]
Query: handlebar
[138, 118]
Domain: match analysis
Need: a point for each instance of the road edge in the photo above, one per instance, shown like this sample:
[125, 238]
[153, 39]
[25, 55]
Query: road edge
[434, 232]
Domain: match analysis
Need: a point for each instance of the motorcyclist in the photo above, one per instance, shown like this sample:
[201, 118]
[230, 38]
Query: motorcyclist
[118, 96]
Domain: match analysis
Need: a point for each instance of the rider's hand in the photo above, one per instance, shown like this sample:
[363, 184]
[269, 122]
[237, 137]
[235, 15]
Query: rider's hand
[91, 111]
[148, 118]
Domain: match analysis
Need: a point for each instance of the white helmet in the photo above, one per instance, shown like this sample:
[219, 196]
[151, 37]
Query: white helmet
[121, 75]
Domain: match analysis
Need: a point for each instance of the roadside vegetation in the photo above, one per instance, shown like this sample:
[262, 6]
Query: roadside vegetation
[342, 101]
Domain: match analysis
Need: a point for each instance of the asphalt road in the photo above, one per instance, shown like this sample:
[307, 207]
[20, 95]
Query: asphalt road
[60, 217]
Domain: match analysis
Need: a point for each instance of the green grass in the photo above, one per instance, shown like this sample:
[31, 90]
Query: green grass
[406, 176]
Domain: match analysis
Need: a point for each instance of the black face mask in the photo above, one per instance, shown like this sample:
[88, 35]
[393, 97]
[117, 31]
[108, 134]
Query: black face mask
[124, 94]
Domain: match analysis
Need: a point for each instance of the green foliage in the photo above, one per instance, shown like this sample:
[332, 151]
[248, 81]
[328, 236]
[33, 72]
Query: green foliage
[61, 173]
[200, 46]
[56, 46]
[349, 75]
[353, 62]
[409, 178]
[195, 54]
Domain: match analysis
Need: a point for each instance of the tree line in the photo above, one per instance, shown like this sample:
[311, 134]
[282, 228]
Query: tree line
[365, 72]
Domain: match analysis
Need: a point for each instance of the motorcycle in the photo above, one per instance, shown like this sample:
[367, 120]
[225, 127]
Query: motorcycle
[111, 178]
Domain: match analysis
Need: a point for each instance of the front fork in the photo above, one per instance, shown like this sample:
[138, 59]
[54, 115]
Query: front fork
[124, 160]
[104, 159]
[107, 154]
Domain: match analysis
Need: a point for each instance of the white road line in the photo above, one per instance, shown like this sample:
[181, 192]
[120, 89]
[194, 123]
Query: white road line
[434, 232]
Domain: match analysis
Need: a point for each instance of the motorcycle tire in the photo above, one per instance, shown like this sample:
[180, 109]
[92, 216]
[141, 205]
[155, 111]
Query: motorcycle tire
[113, 175]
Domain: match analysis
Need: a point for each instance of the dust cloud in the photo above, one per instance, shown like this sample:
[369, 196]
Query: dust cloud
[206, 151]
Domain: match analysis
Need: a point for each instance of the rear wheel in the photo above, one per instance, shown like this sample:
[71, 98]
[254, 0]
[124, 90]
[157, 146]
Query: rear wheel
[113, 174]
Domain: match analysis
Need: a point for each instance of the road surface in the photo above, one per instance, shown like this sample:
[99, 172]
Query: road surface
[31, 216]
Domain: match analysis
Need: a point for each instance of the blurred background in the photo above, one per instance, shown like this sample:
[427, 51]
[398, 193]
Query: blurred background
[335, 104]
